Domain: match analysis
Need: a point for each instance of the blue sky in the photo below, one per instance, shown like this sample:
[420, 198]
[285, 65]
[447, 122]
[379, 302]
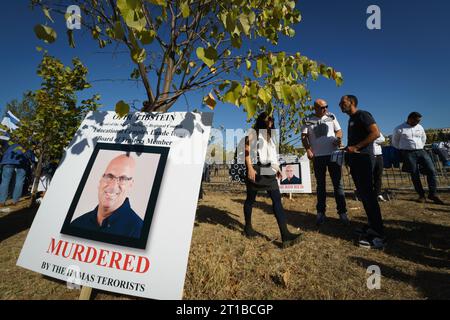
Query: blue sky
[401, 68]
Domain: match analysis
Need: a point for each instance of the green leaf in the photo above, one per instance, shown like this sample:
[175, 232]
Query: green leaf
[208, 56]
[250, 106]
[224, 84]
[233, 95]
[323, 71]
[138, 55]
[185, 11]
[132, 14]
[339, 79]
[291, 32]
[230, 23]
[124, 5]
[70, 38]
[45, 33]
[147, 36]
[162, 3]
[210, 101]
[286, 92]
[261, 66]
[236, 41]
[96, 32]
[122, 108]
[47, 14]
[243, 19]
[118, 31]
[248, 64]
[298, 91]
[264, 95]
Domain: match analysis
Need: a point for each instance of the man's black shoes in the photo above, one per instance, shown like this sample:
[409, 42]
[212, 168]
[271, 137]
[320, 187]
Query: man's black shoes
[435, 199]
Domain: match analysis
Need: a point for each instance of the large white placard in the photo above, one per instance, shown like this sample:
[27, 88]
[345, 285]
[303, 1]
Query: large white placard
[119, 212]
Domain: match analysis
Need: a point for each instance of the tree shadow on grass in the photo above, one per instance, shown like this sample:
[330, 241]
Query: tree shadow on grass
[433, 285]
[16, 222]
[214, 216]
[439, 210]
[306, 221]
[418, 242]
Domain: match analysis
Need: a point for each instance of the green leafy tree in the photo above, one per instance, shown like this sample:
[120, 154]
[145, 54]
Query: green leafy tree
[22, 109]
[290, 120]
[189, 45]
[57, 115]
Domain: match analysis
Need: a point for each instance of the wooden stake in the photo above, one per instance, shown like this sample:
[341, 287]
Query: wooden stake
[290, 195]
[85, 293]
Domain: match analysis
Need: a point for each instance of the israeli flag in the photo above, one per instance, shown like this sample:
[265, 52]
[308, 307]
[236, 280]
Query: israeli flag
[10, 121]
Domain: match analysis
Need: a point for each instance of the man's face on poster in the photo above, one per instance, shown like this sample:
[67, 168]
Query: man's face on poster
[289, 172]
[116, 183]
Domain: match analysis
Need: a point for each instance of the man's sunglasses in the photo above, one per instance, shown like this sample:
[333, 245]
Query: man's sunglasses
[323, 108]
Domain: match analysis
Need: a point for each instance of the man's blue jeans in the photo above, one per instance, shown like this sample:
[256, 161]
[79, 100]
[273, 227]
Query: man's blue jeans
[414, 158]
[321, 164]
[7, 173]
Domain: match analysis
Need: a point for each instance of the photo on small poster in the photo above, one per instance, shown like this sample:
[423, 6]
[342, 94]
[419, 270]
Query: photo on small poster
[291, 173]
[116, 198]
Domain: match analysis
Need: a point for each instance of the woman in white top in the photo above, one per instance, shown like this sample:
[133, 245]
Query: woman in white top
[262, 176]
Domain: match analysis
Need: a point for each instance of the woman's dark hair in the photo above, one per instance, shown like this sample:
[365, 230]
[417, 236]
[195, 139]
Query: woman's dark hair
[260, 122]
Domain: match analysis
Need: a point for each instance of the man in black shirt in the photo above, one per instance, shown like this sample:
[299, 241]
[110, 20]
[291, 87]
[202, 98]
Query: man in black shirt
[362, 132]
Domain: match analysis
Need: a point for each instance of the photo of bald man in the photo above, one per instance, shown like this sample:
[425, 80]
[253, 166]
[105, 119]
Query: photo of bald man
[113, 214]
[291, 178]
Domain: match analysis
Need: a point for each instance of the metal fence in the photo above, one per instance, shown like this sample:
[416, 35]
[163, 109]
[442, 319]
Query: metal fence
[219, 178]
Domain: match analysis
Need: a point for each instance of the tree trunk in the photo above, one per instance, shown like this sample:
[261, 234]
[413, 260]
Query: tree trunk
[37, 175]
[148, 89]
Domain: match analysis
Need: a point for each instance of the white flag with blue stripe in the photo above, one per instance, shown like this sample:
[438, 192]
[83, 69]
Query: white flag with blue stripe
[11, 122]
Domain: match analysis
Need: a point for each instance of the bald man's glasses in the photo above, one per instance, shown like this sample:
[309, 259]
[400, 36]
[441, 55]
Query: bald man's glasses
[324, 108]
[108, 178]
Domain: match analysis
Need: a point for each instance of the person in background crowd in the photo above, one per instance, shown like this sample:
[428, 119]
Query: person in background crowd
[15, 160]
[410, 139]
[378, 166]
[261, 176]
[321, 136]
[362, 132]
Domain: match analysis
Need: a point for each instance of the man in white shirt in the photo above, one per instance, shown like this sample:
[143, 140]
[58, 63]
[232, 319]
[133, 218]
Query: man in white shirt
[410, 139]
[321, 136]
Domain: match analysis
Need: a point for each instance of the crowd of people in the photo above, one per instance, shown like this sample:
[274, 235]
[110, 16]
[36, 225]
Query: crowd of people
[322, 139]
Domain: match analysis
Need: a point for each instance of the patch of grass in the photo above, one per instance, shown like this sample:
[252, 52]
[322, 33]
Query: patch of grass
[223, 264]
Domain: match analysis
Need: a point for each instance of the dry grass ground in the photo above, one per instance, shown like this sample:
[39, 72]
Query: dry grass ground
[223, 264]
